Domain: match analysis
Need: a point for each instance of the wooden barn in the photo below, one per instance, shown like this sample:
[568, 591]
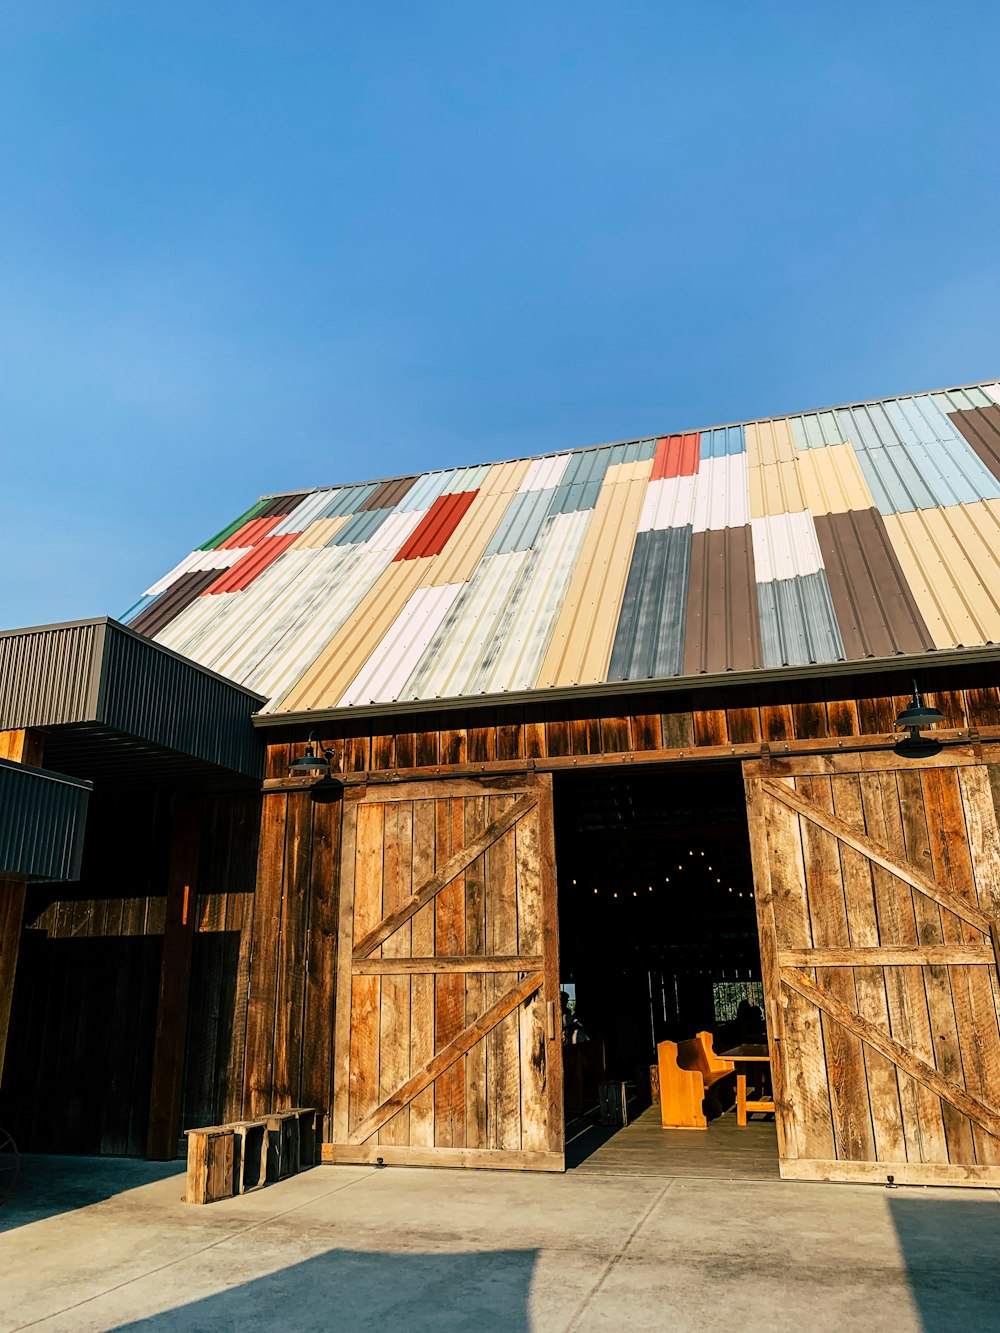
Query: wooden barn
[348, 798]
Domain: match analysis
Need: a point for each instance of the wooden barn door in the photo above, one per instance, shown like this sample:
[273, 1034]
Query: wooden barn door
[878, 893]
[448, 1030]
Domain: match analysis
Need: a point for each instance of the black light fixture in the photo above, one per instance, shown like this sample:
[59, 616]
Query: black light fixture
[311, 764]
[914, 717]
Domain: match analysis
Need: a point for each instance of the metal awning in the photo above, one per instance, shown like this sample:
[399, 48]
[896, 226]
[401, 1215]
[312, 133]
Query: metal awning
[119, 709]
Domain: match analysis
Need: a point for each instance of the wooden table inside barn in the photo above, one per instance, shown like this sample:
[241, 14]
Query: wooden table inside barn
[750, 1053]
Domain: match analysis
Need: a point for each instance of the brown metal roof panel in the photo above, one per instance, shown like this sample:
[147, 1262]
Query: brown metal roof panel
[389, 494]
[173, 601]
[280, 506]
[981, 427]
[876, 610]
[722, 629]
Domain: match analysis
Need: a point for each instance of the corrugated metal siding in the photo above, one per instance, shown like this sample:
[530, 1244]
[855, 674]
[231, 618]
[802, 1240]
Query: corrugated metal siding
[785, 546]
[650, 638]
[98, 672]
[390, 664]
[669, 503]
[251, 565]
[721, 494]
[152, 694]
[831, 480]
[307, 512]
[253, 532]
[235, 526]
[981, 427]
[580, 650]
[722, 629]
[220, 558]
[390, 493]
[50, 675]
[542, 601]
[43, 817]
[951, 559]
[520, 525]
[797, 621]
[171, 603]
[876, 611]
[432, 533]
[676, 456]
[280, 506]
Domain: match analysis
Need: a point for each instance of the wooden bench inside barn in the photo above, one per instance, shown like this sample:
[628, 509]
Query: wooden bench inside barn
[693, 1080]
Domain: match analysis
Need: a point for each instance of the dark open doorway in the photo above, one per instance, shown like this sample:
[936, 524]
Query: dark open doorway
[658, 934]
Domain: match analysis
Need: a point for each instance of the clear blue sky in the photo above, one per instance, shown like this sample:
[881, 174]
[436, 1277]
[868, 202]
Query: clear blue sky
[249, 247]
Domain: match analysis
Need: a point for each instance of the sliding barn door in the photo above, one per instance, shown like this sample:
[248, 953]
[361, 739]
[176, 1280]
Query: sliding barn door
[878, 893]
[448, 1030]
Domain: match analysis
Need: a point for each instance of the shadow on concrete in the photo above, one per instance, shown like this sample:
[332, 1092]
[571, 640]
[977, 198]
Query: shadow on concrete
[49, 1185]
[950, 1248]
[345, 1289]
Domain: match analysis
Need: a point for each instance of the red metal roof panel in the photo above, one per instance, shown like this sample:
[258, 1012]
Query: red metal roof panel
[251, 533]
[253, 564]
[436, 527]
[676, 456]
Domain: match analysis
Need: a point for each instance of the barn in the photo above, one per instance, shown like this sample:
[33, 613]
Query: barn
[335, 811]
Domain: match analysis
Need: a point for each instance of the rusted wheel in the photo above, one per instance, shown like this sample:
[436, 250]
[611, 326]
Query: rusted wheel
[8, 1165]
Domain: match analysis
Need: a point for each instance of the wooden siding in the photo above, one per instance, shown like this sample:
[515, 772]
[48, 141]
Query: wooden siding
[684, 720]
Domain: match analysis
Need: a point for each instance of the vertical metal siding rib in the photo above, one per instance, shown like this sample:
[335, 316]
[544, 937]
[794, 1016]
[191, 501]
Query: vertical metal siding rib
[307, 512]
[649, 641]
[981, 427]
[875, 608]
[220, 558]
[521, 523]
[41, 834]
[432, 533]
[797, 621]
[235, 526]
[545, 474]
[785, 546]
[392, 660]
[582, 481]
[721, 630]
[721, 493]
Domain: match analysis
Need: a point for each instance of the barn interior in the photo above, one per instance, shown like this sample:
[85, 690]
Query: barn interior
[657, 921]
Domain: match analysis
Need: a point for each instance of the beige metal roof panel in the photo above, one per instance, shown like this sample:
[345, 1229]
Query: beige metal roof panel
[323, 683]
[581, 643]
[320, 533]
[831, 480]
[536, 572]
[951, 559]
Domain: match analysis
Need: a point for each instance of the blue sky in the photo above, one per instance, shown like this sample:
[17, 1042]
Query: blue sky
[251, 247]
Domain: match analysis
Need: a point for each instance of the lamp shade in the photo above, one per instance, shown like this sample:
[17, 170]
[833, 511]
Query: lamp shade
[309, 765]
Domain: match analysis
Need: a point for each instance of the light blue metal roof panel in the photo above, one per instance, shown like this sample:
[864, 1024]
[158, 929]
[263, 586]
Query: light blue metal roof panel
[138, 607]
[815, 430]
[311, 508]
[582, 481]
[521, 523]
[359, 527]
[638, 451]
[723, 440]
[797, 621]
[347, 499]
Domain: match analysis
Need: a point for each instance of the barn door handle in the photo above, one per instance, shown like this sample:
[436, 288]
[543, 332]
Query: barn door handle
[551, 1014]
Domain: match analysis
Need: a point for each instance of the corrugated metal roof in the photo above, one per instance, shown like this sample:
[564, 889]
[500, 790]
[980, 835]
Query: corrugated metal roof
[852, 532]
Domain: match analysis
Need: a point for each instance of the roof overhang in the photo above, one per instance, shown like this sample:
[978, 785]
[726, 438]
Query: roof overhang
[915, 663]
[120, 709]
[43, 816]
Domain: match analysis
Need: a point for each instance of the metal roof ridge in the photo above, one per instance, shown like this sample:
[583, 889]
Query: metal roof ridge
[632, 439]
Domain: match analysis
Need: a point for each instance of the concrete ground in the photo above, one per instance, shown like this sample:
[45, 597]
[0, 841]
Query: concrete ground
[108, 1244]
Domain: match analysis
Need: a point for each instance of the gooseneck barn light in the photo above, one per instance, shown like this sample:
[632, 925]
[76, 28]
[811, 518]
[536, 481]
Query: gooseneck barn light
[311, 764]
[914, 717]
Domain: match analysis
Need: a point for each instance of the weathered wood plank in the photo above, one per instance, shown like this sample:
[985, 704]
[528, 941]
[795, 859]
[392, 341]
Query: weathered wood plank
[531, 1015]
[365, 991]
[449, 929]
[259, 1062]
[345, 981]
[394, 1030]
[950, 1093]
[476, 965]
[887, 956]
[497, 1013]
[454, 865]
[859, 840]
[422, 992]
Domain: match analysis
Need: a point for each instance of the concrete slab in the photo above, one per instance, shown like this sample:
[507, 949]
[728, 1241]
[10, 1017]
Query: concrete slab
[101, 1245]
